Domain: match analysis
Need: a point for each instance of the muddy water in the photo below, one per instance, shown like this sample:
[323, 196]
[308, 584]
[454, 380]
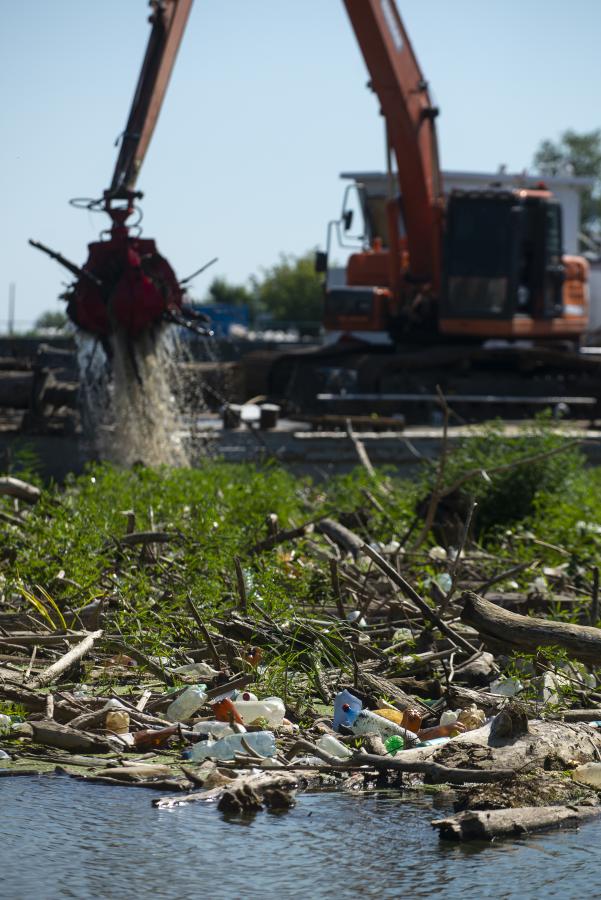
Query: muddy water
[62, 838]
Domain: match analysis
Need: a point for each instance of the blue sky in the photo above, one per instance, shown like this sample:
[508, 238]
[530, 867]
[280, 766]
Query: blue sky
[266, 106]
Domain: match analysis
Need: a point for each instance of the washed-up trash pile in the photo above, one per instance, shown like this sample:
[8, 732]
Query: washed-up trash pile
[471, 682]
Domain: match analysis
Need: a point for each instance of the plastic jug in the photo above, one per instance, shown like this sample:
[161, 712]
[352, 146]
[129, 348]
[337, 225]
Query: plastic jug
[368, 721]
[346, 709]
[262, 742]
[588, 773]
[271, 709]
[186, 704]
[334, 747]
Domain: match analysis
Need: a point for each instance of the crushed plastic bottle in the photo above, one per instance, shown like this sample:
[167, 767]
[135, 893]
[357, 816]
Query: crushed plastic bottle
[394, 743]
[262, 742]
[215, 729]
[271, 710]
[186, 704]
[588, 773]
[201, 669]
[506, 687]
[329, 744]
[449, 716]
[472, 717]
[346, 709]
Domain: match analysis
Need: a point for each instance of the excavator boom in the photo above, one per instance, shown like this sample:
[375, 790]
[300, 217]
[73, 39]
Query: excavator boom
[410, 116]
[168, 20]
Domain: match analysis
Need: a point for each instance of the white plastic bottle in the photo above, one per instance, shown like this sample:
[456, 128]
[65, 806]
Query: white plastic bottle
[262, 742]
[271, 709]
[186, 704]
[368, 721]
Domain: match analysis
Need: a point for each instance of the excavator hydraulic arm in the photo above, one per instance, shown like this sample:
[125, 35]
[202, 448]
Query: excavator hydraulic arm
[168, 20]
[405, 103]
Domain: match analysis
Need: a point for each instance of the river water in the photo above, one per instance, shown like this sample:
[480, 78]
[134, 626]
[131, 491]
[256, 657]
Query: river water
[62, 838]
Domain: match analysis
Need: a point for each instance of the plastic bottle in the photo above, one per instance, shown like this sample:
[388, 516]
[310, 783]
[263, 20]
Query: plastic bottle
[346, 709]
[225, 711]
[117, 720]
[506, 687]
[5, 722]
[334, 747]
[272, 710]
[186, 704]
[588, 773]
[410, 718]
[214, 728]
[262, 742]
[449, 717]
[154, 738]
[202, 669]
[394, 743]
[368, 721]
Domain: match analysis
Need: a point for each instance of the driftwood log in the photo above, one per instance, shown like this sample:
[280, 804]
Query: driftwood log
[47, 676]
[549, 746]
[14, 487]
[516, 632]
[246, 793]
[51, 734]
[496, 823]
[346, 539]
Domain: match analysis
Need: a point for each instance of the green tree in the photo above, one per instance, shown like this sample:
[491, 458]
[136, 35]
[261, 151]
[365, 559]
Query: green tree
[221, 291]
[55, 319]
[291, 290]
[577, 154]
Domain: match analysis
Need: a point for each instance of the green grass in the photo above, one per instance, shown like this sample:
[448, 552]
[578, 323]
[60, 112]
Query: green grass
[69, 546]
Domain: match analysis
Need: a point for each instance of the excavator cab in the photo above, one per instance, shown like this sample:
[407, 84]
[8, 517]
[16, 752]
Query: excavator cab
[504, 272]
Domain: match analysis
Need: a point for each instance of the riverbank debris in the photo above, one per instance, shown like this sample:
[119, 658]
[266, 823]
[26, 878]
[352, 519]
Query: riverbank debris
[332, 658]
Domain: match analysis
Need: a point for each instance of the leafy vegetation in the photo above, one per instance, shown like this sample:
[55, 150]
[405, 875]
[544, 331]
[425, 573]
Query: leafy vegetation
[290, 292]
[535, 505]
[577, 154]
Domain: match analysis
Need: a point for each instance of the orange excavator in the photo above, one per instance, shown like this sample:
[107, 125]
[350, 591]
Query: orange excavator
[438, 276]
[470, 292]
[478, 264]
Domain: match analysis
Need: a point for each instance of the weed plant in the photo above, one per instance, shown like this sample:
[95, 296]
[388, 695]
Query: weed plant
[67, 549]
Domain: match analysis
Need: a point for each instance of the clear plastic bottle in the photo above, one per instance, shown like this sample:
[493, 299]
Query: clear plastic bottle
[214, 728]
[272, 710]
[333, 746]
[186, 704]
[262, 742]
[5, 722]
